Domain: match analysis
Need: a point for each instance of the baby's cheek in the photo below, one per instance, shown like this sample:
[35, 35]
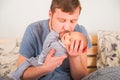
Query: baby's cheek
[67, 42]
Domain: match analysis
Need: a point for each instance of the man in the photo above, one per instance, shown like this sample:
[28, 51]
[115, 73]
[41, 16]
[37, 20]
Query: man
[63, 16]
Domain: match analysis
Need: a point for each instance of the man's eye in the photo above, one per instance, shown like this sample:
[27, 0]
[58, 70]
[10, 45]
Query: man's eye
[61, 20]
[73, 21]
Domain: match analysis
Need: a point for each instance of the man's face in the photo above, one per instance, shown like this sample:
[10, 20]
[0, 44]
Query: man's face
[62, 21]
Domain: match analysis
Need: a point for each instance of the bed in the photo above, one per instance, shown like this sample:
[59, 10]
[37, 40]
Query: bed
[104, 56]
[91, 54]
[9, 52]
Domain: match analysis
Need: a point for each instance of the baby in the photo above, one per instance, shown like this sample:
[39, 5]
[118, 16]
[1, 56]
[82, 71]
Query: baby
[67, 37]
[58, 42]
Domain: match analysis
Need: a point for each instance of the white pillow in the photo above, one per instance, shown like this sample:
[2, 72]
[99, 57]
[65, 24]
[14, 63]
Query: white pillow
[108, 49]
[9, 49]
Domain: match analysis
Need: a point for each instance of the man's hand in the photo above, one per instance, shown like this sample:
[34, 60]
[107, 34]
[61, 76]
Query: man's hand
[51, 62]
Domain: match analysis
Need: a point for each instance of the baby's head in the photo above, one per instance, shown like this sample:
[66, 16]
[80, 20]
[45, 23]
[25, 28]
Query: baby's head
[67, 37]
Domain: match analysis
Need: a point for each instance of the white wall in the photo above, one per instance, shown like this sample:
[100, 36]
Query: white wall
[15, 15]
[101, 15]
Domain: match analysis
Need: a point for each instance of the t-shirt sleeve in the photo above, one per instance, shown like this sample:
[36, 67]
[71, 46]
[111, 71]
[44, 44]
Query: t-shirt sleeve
[27, 46]
[51, 37]
[84, 31]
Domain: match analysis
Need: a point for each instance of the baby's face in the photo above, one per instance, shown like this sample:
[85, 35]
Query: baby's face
[71, 36]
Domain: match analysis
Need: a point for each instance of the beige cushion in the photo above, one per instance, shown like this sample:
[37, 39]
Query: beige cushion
[9, 49]
[108, 49]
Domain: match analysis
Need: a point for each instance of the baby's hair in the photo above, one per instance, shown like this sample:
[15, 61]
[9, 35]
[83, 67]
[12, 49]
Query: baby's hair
[63, 33]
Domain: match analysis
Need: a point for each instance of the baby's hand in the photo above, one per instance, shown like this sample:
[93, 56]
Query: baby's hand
[76, 48]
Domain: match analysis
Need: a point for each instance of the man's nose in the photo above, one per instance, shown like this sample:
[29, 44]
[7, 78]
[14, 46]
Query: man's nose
[67, 26]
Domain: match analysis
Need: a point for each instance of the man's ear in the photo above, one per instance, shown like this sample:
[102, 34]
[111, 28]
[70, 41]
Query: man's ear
[50, 14]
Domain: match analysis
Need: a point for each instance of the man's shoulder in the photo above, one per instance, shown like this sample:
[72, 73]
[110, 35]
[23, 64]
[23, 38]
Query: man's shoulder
[38, 25]
[79, 27]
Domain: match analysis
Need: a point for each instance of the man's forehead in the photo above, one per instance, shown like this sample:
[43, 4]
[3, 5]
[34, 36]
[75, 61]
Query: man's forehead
[61, 14]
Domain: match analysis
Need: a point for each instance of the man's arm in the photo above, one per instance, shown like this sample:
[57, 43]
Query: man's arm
[78, 70]
[31, 73]
[77, 59]
[49, 65]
